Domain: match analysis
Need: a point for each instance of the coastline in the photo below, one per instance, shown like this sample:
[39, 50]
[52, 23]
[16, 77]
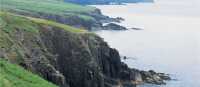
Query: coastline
[140, 76]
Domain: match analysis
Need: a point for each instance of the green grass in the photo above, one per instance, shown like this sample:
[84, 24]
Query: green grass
[10, 22]
[46, 6]
[15, 76]
[49, 6]
[58, 25]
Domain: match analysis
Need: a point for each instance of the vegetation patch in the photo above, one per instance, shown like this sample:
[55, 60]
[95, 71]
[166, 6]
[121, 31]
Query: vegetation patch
[12, 22]
[58, 25]
[15, 76]
[30, 24]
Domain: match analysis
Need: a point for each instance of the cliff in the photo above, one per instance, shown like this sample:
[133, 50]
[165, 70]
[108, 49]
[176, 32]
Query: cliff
[59, 53]
[36, 37]
[64, 55]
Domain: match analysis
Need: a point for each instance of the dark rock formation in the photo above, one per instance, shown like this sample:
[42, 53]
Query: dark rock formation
[112, 26]
[154, 78]
[107, 19]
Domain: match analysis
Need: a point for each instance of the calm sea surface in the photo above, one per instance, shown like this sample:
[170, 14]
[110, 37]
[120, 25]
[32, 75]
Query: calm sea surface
[170, 41]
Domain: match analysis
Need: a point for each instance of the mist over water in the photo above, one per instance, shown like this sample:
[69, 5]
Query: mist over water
[170, 41]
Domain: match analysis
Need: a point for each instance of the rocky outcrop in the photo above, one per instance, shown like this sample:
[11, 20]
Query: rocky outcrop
[113, 26]
[153, 77]
[85, 60]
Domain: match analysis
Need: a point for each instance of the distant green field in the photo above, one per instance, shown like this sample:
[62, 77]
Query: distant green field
[46, 6]
[15, 76]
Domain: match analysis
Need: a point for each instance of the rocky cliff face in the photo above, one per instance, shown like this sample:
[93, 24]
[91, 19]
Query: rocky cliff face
[66, 58]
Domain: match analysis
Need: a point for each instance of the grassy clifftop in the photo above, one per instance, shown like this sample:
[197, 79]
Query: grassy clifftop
[49, 6]
[10, 21]
[55, 7]
[14, 76]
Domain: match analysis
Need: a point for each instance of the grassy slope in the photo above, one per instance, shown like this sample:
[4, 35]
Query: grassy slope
[47, 6]
[14, 76]
[10, 21]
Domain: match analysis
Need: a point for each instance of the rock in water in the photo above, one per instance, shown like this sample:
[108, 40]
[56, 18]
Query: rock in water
[154, 78]
[113, 26]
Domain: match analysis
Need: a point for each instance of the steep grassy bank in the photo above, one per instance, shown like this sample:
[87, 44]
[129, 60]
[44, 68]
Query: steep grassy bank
[15, 76]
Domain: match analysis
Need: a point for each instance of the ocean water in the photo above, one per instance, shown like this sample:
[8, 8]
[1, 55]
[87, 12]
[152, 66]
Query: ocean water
[169, 41]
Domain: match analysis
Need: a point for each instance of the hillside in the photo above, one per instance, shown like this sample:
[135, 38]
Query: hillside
[12, 75]
[45, 6]
[62, 12]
